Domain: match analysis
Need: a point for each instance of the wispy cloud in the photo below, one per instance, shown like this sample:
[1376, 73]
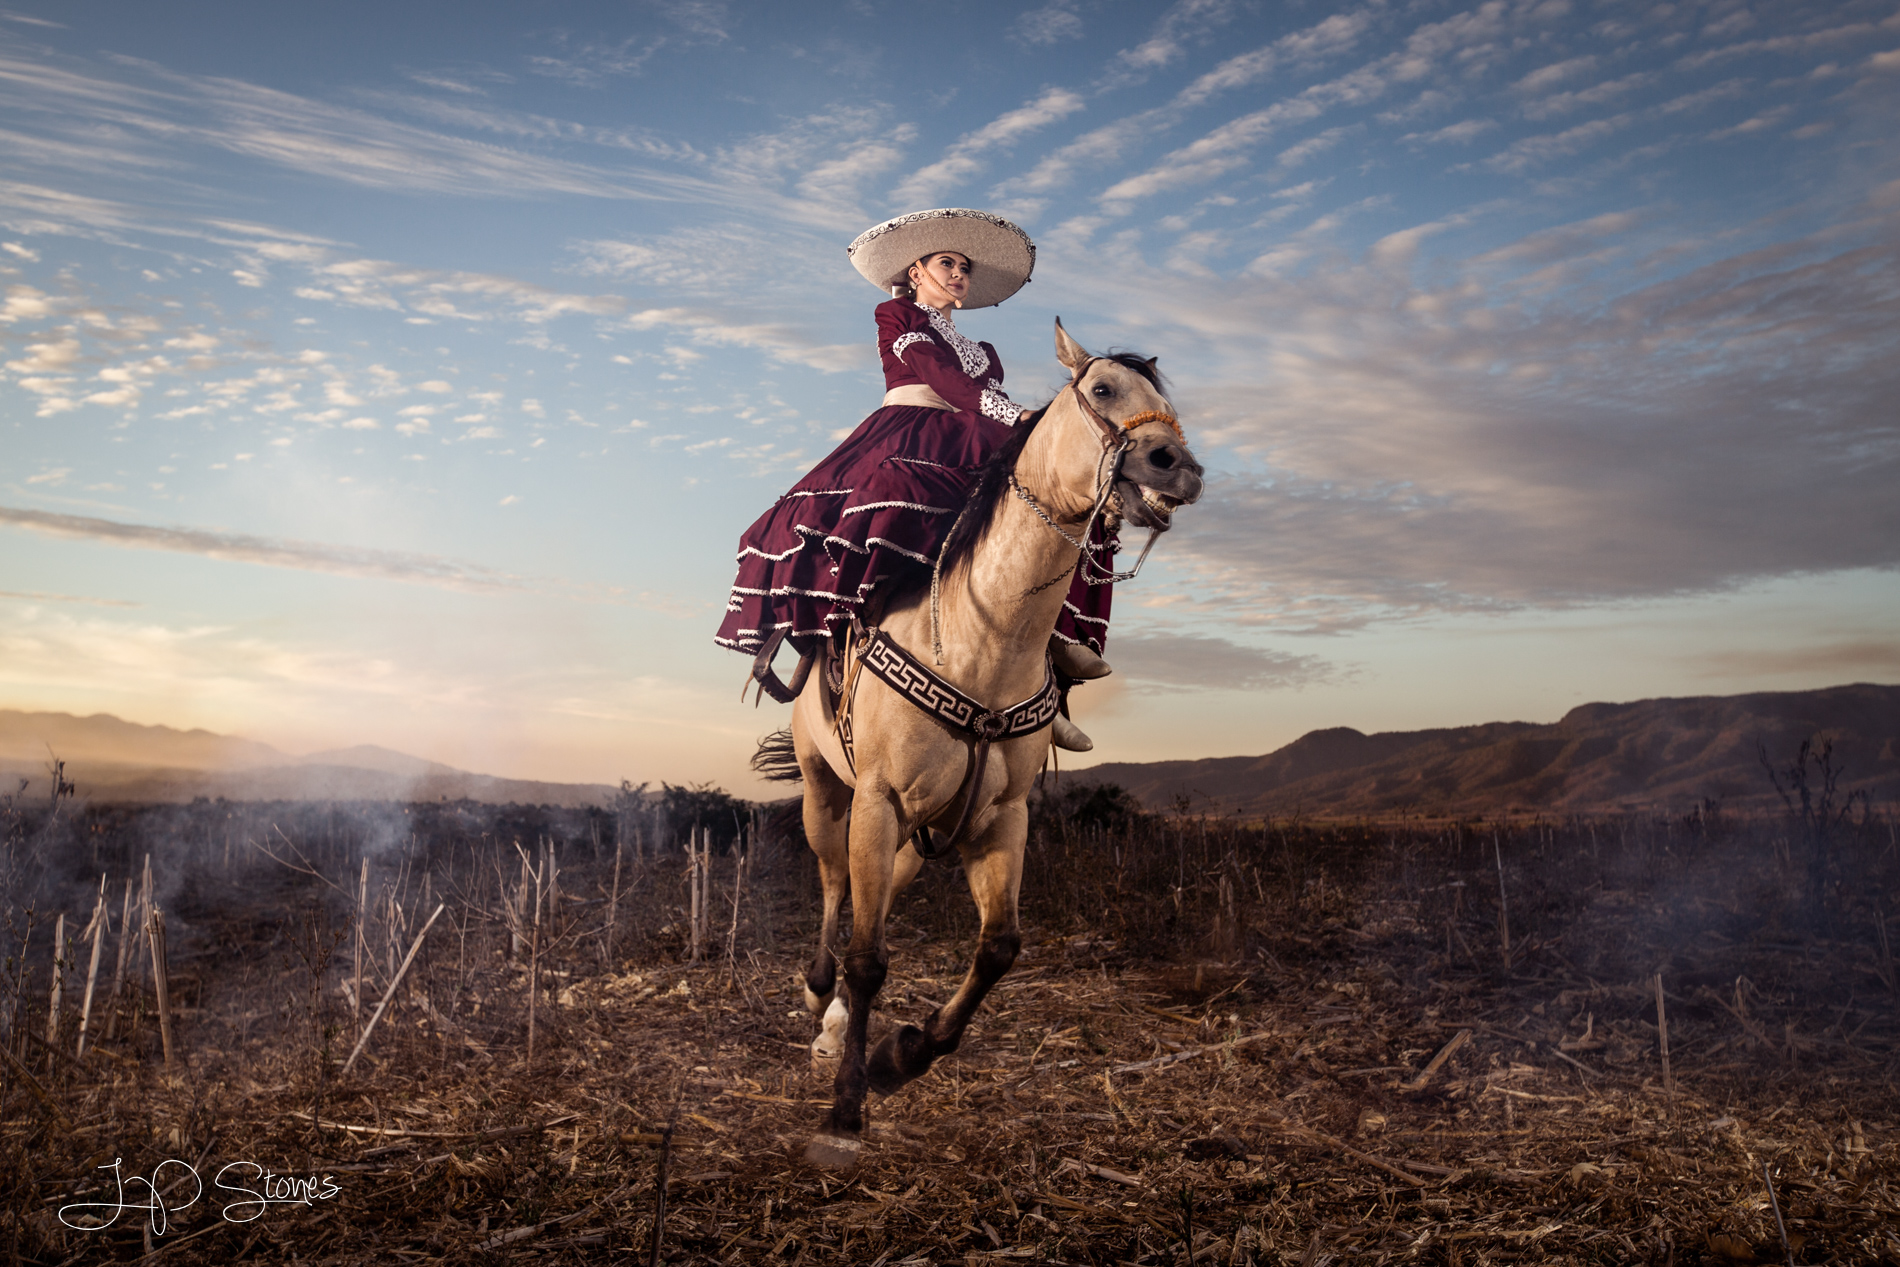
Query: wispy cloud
[779, 340]
[1156, 661]
[1184, 22]
[1870, 657]
[130, 112]
[1230, 145]
[1583, 98]
[1461, 133]
[1329, 37]
[1544, 78]
[964, 159]
[1051, 24]
[387, 565]
[1845, 34]
[35, 596]
[1450, 446]
[1521, 156]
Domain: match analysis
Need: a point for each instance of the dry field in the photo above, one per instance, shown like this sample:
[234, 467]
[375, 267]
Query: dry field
[1283, 1043]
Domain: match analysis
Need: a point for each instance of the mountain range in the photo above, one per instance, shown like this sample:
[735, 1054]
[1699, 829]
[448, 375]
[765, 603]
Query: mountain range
[1650, 755]
[109, 759]
[1667, 755]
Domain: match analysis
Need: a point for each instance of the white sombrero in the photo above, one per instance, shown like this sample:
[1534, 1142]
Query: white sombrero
[1002, 254]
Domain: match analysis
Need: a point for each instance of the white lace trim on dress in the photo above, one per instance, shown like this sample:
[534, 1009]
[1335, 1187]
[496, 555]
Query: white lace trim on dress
[995, 404]
[976, 362]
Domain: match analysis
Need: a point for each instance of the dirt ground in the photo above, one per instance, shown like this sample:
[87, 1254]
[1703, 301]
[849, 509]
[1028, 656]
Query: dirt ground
[1316, 1049]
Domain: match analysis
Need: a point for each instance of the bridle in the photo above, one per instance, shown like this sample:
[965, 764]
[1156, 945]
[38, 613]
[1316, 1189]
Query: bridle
[1117, 442]
[1112, 435]
[911, 678]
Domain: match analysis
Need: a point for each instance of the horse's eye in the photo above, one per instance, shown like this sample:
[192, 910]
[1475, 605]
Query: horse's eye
[1103, 389]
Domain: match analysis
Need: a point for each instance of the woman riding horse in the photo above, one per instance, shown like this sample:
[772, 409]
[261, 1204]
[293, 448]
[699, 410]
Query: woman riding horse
[875, 513]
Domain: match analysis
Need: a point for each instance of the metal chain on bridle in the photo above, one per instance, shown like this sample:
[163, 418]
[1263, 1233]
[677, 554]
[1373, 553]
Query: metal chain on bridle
[1117, 441]
[1116, 444]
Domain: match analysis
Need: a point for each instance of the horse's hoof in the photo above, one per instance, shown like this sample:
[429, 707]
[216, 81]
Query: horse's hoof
[817, 1003]
[833, 1152]
[897, 1060]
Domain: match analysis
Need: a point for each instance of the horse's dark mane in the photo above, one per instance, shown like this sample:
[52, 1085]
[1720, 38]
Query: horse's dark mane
[992, 482]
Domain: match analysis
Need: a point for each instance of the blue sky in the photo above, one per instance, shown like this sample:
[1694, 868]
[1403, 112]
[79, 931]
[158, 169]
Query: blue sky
[406, 373]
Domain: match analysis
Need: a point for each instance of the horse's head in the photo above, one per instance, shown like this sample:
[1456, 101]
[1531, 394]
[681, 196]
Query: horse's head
[1113, 411]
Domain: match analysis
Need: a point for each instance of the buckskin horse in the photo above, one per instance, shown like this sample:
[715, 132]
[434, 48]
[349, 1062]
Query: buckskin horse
[938, 716]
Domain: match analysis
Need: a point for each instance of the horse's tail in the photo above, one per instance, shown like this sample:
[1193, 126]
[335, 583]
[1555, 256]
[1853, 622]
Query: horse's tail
[776, 760]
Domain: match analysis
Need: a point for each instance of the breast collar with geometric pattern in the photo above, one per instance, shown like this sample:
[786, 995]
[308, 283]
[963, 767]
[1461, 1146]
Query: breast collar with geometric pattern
[873, 651]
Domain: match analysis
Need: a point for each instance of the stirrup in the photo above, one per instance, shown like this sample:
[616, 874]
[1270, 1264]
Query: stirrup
[768, 681]
[1073, 660]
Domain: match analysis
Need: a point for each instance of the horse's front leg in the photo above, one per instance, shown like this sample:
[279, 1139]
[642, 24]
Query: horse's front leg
[994, 866]
[875, 840]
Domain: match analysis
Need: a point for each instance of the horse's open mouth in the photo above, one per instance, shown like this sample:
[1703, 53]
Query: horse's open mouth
[1145, 507]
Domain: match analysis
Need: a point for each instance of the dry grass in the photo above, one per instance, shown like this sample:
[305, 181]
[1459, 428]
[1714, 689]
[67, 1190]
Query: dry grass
[1217, 1037]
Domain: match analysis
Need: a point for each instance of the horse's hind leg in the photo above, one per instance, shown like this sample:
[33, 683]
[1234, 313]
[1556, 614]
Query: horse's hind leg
[827, 811]
[995, 871]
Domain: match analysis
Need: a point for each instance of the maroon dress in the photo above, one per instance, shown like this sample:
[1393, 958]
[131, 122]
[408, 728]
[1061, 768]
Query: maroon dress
[877, 509]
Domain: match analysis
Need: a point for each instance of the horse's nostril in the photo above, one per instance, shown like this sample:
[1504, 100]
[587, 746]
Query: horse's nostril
[1163, 458]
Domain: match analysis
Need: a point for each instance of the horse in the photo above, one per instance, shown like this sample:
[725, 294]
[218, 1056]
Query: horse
[1108, 444]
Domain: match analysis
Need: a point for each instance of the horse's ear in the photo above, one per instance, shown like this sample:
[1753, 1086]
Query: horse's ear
[1068, 351]
[1154, 363]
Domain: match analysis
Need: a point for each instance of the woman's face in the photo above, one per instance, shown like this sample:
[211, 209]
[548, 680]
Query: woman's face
[941, 280]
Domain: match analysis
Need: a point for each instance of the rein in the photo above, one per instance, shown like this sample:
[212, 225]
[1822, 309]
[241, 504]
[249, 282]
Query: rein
[1116, 443]
[872, 651]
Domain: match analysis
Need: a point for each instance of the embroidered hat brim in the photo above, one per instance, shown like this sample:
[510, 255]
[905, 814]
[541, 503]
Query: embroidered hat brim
[1002, 255]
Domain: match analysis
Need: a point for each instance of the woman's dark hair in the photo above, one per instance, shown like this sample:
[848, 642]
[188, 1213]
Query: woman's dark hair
[912, 290]
[992, 480]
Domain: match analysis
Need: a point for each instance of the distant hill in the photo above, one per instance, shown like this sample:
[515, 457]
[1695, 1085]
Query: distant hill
[103, 738]
[1657, 754]
[367, 756]
[109, 759]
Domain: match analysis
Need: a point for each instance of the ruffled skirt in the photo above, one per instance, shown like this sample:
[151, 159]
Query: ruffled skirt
[872, 513]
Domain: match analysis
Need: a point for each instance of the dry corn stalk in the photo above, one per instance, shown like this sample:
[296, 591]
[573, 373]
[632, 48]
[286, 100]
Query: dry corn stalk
[59, 980]
[156, 929]
[390, 993]
[98, 932]
[362, 914]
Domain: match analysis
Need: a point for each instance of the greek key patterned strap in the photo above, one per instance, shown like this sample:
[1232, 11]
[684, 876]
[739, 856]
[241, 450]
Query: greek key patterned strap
[909, 677]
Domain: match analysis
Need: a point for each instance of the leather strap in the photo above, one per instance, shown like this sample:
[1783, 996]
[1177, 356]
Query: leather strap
[919, 395]
[922, 686]
[768, 681]
[1111, 433]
